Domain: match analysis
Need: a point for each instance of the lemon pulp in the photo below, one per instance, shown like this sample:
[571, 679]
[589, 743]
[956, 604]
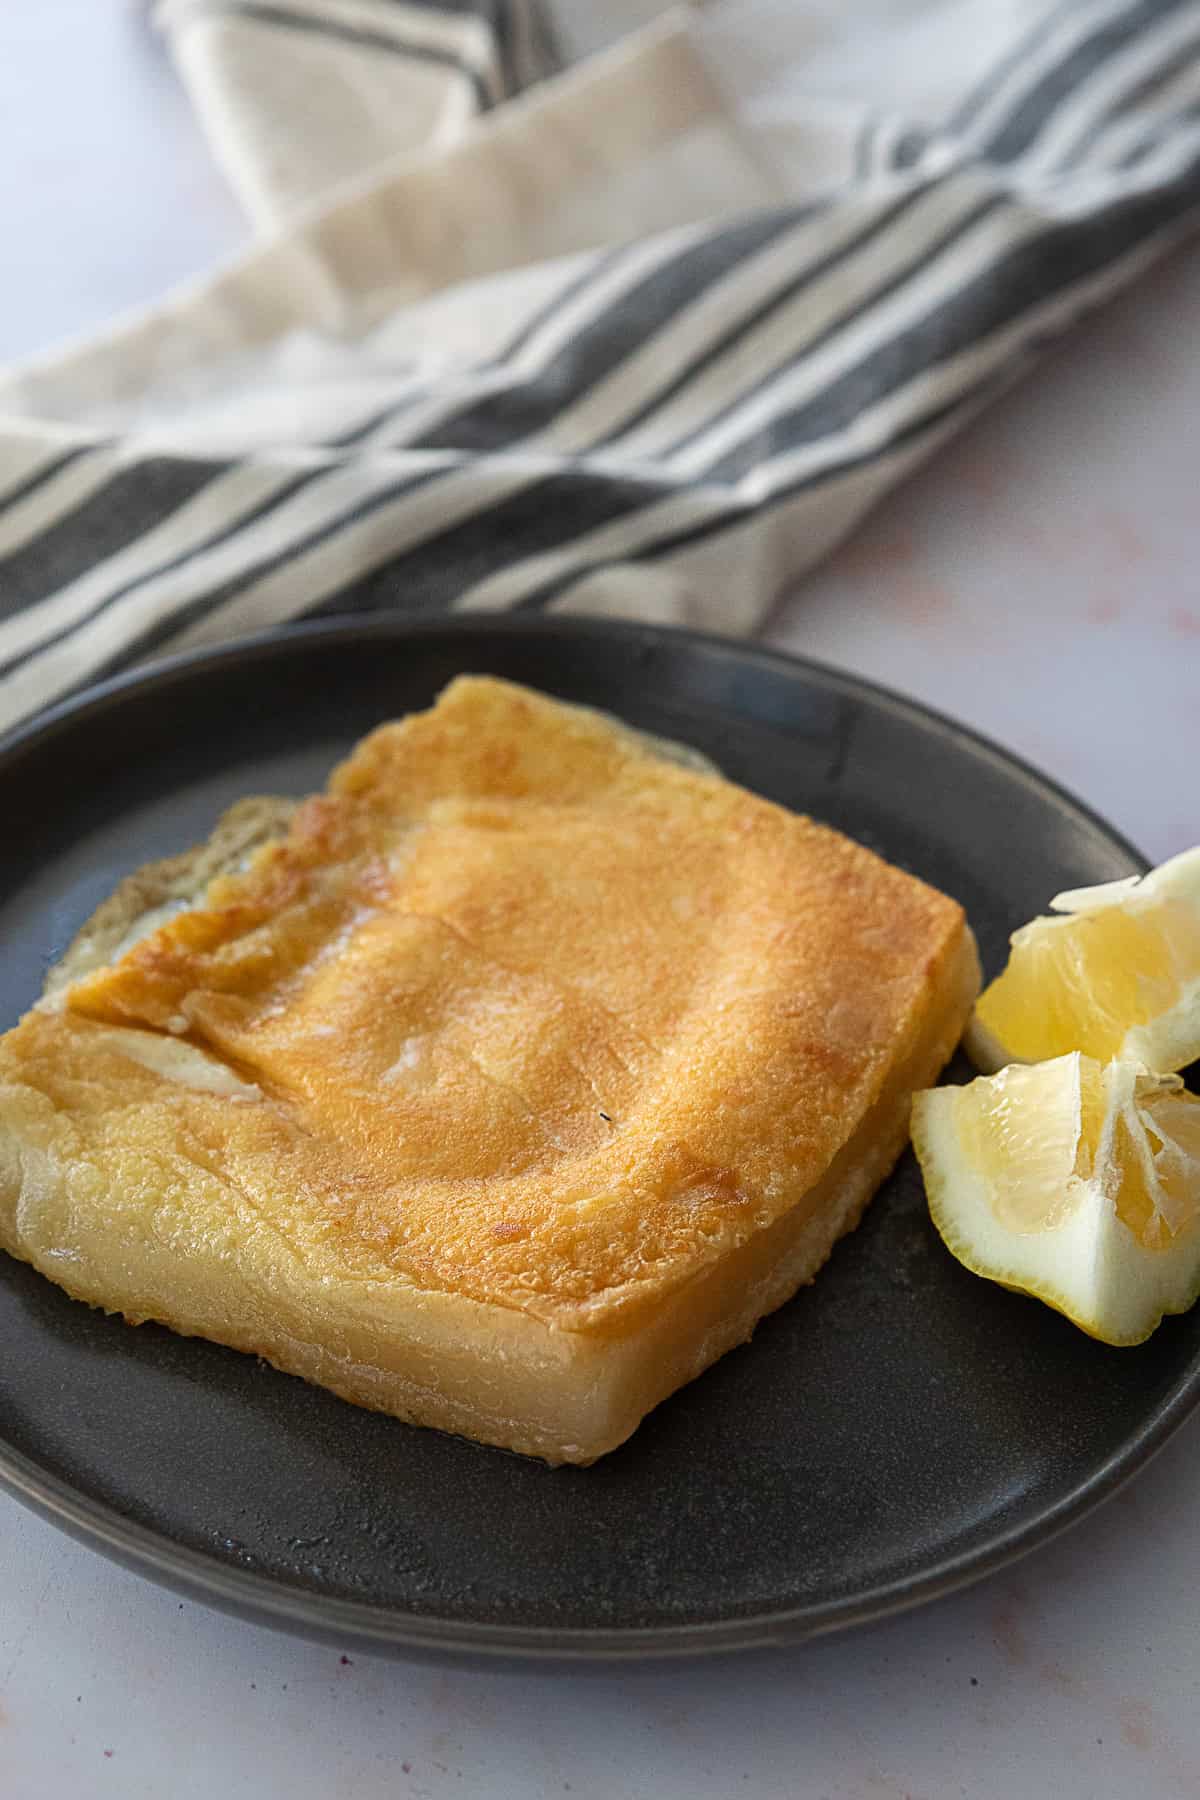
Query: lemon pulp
[1117, 974]
[1073, 1181]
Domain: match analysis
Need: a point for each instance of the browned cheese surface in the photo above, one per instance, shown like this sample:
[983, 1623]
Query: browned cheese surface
[536, 1016]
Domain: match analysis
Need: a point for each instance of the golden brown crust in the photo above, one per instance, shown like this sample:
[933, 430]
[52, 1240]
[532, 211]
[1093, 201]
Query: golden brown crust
[206, 1260]
[517, 1027]
[541, 1019]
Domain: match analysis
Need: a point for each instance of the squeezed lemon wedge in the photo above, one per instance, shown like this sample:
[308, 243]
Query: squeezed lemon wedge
[1115, 974]
[1073, 1181]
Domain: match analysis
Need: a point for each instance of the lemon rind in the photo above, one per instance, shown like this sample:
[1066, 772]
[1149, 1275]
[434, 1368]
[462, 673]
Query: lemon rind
[1178, 877]
[1118, 1291]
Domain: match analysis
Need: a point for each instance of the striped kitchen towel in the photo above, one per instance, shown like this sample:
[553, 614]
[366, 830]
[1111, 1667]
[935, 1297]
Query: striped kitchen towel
[537, 320]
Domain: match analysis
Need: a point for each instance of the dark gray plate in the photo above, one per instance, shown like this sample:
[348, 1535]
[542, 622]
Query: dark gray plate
[897, 1430]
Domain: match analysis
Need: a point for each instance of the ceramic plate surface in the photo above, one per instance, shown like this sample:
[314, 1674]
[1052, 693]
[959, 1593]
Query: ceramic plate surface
[897, 1430]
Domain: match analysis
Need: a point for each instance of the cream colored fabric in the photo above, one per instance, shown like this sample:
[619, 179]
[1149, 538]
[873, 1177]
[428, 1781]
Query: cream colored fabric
[298, 99]
[646, 337]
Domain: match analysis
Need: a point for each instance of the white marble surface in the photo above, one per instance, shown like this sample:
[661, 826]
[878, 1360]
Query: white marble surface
[1041, 582]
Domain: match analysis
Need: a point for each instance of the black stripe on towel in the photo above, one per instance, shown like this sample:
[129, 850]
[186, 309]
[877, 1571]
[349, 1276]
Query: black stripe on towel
[1067, 77]
[130, 503]
[608, 340]
[30, 484]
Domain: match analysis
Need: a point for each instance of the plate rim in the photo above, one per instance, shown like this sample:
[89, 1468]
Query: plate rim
[22, 736]
[265, 1600]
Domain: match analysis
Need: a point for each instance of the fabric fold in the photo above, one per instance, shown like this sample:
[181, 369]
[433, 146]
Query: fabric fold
[647, 339]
